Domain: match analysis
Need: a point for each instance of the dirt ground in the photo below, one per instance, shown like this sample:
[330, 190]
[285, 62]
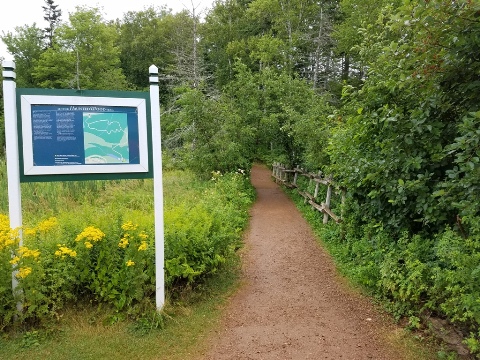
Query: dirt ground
[293, 304]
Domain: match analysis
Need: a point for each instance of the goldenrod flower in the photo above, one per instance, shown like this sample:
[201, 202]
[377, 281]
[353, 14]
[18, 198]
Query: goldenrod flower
[143, 246]
[8, 237]
[143, 235]
[26, 252]
[15, 260]
[90, 233]
[30, 231]
[88, 244]
[129, 226]
[24, 272]
[48, 224]
[123, 243]
[63, 251]
[130, 263]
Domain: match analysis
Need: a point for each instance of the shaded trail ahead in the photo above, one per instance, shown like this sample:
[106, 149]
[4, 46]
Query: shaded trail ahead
[293, 304]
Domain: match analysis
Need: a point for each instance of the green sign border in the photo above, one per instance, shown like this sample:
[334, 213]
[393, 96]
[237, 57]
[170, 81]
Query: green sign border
[92, 176]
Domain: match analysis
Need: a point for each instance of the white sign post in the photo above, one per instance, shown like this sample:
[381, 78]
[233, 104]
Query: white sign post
[158, 188]
[13, 167]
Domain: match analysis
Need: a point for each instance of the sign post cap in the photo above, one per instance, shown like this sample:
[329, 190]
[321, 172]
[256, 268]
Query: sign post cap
[8, 64]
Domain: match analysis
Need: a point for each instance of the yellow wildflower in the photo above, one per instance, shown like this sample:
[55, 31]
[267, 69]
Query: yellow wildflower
[90, 233]
[123, 243]
[63, 251]
[130, 263]
[143, 235]
[129, 226]
[4, 223]
[7, 241]
[24, 272]
[48, 224]
[26, 252]
[8, 237]
[88, 244]
[30, 231]
[15, 260]
[143, 246]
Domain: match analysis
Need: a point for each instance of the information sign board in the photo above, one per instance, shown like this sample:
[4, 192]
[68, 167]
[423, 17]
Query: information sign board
[83, 135]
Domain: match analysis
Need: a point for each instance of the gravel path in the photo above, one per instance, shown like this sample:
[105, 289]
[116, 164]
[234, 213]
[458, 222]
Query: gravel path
[293, 304]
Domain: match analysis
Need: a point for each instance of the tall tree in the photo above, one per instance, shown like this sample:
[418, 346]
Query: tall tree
[26, 45]
[224, 24]
[145, 40]
[188, 66]
[349, 32]
[52, 15]
[85, 55]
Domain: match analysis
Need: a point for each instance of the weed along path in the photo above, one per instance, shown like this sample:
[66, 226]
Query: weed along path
[293, 305]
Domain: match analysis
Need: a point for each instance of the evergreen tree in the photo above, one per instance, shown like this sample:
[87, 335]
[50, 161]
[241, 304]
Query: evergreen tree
[52, 15]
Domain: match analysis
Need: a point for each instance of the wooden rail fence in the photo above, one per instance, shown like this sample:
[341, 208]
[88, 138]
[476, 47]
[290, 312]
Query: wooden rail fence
[289, 178]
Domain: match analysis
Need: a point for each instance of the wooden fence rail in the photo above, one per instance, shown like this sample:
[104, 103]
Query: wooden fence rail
[289, 178]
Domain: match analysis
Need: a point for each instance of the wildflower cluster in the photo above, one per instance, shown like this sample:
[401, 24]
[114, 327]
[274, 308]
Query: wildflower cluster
[47, 225]
[216, 175]
[25, 252]
[124, 241]
[42, 227]
[143, 246]
[23, 260]
[130, 263]
[90, 234]
[63, 251]
[8, 237]
[129, 236]
[128, 226]
[24, 272]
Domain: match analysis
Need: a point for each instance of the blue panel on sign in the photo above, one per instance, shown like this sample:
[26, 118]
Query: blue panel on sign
[84, 135]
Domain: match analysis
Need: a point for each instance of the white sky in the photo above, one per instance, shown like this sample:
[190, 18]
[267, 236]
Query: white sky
[15, 13]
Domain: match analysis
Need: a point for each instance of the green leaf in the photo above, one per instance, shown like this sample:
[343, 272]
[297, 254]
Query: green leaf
[438, 193]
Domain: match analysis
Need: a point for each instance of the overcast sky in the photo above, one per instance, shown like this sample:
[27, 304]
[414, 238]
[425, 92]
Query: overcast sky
[25, 12]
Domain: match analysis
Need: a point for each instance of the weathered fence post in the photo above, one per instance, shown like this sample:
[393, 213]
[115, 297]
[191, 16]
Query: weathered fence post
[317, 185]
[327, 203]
[310, 179]
[295, 177]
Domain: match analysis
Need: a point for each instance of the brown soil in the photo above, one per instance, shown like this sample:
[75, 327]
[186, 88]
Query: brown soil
[293, 304]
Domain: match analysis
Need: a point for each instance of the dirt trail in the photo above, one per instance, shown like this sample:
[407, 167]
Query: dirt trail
[293, 304]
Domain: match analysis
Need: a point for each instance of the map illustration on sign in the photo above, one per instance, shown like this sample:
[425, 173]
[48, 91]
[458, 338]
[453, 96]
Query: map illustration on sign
[105, 138]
